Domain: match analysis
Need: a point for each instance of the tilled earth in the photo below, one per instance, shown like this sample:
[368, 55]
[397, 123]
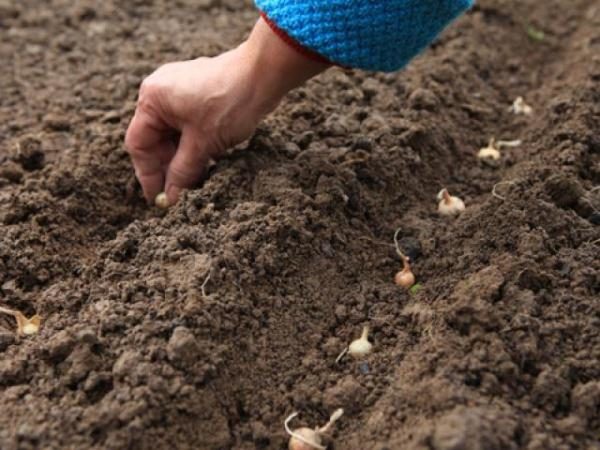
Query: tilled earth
[204, 327]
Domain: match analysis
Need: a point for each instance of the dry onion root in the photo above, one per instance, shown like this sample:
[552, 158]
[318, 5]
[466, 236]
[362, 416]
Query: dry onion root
[306, 438]
[25, 326]
[520, 107]
[449, 205]
[404, 278]
[495, 188]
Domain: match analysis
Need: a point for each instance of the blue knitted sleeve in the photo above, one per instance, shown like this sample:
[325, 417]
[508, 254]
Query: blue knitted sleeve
[368, 34]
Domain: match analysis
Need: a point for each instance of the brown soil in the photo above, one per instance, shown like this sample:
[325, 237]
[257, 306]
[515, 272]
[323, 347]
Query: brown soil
[500, 348]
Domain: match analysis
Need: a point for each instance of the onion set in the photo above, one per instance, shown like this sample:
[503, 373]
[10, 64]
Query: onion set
[25, 326]
[492, 151]
[405, 277]
[162, 201]
[306, 438]
[361, 347]
[449, 205]
[520, 107]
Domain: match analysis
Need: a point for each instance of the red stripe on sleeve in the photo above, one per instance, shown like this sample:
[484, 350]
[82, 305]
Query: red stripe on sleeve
[293, 43]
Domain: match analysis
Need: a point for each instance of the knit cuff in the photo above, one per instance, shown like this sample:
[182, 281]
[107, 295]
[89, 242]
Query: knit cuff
[310, 54]
[381, 35]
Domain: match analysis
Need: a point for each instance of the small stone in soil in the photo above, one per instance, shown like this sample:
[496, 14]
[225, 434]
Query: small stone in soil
[411, 247]
[595, 218]
[364, 368]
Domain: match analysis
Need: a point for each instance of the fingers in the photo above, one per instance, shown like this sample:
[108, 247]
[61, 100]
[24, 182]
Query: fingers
[187, 166]
[150, 149]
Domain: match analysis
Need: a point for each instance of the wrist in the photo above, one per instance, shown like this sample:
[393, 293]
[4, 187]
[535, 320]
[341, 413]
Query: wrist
[274, 66]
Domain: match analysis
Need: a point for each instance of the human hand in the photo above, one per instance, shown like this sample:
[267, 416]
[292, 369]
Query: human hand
[192, 111]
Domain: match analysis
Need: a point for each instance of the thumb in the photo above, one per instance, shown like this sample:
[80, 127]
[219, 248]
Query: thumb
[187, 166]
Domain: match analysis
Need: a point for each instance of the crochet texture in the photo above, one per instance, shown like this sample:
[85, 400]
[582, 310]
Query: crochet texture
[381, 35]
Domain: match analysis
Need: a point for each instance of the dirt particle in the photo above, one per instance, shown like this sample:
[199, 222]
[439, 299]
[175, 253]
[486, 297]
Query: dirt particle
[474, 429]
[6, 339]
[82, 361]
[57, 122]
[534, 280]
[411, 247]
[347, 393]
[11, 371]
[126, 363]
[564, 191]
[484, 285]
[182, 348]
[423, 99]
[11, 172]
[60, 346]
[29, 154]
[550, 390]
[303, 140]
[585, 402]
[8, 10]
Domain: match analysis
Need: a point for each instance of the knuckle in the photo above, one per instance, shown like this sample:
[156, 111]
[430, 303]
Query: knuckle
[132, 142]
[129, 142]
[147, 90]
[184, 176]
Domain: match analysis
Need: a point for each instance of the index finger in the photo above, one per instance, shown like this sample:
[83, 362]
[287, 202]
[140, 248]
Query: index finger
[148, 144]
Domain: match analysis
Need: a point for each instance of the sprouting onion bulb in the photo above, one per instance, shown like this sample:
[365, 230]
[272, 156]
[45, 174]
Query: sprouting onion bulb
[404, 278]
[25, 326]
[492, 151]
[306, 438]
[31, 326]
[361, 347]
[448, 204]
[520, 107]
[489, 152]
[162, 201]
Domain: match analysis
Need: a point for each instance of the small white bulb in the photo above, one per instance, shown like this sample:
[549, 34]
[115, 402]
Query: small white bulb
[30, 329]
[361, 347]
[405, 278]
[305, 439]
[449, 205]
[520, 107]
[490, 152]
[162, 201]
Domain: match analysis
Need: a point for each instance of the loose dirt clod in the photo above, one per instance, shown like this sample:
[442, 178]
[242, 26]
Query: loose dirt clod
[25, 326]
[306, 438]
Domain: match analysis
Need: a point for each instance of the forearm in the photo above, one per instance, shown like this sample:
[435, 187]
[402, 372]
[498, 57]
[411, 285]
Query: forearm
[275, 67]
